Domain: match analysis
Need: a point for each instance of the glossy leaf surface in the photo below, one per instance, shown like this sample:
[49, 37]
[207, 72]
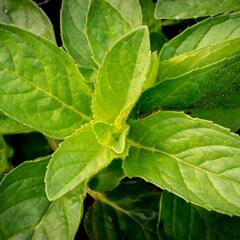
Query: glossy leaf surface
[121, 77]
[180, 220]
[192, 158]
[182, 9]
[204, 82]
[128, 212]
[108, 178]
[211, 31]
[77, 159]
[26, 213]
[40, 85]
[27, 15]
[90, 28]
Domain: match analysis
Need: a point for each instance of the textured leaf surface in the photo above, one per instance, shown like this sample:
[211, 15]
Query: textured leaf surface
[182, 9]
[73, 24]
[121, 77]
[204, 82]
[25, 212]
[128, 212]
[192, 158]
[108, 178]
[10, 126]
[208, 32]
[180, 220]
[90, 28]
[40, 85]
[26, 14]
[6, 152]
[108, 136]
[77, 159]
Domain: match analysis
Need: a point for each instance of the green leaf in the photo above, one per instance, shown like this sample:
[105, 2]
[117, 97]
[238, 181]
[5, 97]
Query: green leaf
[157, 41]
[121, 78]
[10, 126]
[40, 85]
[128, 212]
[89, 74]
[192, 158]
[26, 213]
[108, 136]
[90, 28]
[148, 7]
[184, 9]
[77, 159]
[108, 178]
[179, 220]
[6, 152]
[152, 71]
[204, 81]
[27, 15]
[73, 26]
[205, 33]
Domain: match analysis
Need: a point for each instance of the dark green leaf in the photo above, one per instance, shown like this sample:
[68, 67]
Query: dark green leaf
[128, 212]
[108, 178]
[25, 212]
[180, 220]
[211, 31]
[204, 82]
[182, 9]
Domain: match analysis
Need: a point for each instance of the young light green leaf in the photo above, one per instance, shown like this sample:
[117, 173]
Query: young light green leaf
[179, 220]
[10, 126]
[6, 152]
[108, 178]
[192, 158]
[77, 159]
[205, 33]
[203, 80]
[26, 213]
[108, 136]
[121, 77]
[27, 15]
[152, 71]
[184, 9]
[128, 212]
[90, 28]
[40, 85]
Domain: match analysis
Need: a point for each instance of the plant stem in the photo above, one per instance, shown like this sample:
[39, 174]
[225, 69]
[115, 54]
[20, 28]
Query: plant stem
[53, 144]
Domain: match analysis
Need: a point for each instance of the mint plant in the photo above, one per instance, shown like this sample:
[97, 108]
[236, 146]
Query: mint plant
[148, 135]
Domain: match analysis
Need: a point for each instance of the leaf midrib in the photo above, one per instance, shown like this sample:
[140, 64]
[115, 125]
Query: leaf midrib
[152, 149]
[82, 115]
[103, 199]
